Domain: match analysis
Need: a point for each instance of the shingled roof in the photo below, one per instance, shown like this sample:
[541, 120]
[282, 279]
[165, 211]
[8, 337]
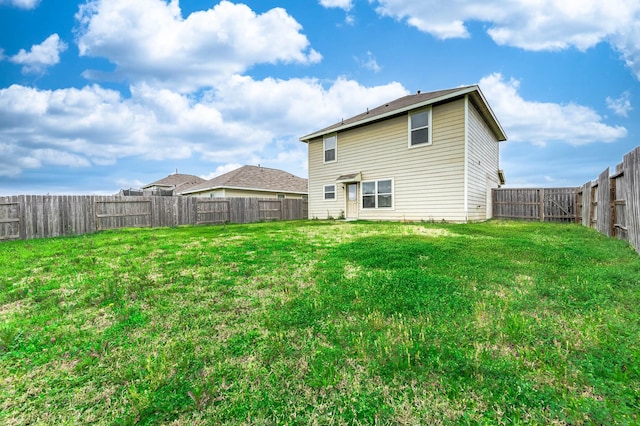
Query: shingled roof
[255, 178]
[410, 102]
[176, 182]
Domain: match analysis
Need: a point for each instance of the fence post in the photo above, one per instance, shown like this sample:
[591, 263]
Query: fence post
[578, 201]
[541, 204]
[612, 201]
[593, 213]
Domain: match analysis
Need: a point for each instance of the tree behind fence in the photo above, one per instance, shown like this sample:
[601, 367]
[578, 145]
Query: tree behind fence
[40, 216]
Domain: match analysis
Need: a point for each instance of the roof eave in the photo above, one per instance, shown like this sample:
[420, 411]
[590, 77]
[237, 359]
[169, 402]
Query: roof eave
[494, 123]
[161, 185]
[457, 93]
[213, 188]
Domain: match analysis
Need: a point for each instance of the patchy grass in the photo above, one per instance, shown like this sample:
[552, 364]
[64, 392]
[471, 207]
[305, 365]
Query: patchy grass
[321, 323]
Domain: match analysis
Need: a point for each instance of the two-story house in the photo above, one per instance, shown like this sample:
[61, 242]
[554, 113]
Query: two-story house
[427, 156]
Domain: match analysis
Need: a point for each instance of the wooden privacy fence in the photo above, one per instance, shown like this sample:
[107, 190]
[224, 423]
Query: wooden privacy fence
[610, 204]
[40, 216]
[541, 204]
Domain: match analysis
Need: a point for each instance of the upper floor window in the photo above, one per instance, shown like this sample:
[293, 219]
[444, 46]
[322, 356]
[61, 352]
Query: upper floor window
[330, 148]
[420, 128]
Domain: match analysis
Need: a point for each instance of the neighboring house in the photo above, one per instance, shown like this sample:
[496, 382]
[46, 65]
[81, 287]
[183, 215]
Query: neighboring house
[172, 184]
[251, 181]
[427, 156]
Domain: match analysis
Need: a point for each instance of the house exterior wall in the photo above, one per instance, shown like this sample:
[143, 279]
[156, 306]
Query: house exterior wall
[241, 193]
[483, 165]
[428, 181]
[215, 193]
[259, 194]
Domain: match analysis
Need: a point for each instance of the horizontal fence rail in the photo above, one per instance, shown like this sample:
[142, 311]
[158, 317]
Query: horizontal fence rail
[41, 216]
[610, 203]
[123, 213]
[213, 211]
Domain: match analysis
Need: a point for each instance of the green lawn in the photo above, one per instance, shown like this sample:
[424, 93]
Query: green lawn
[321, 322]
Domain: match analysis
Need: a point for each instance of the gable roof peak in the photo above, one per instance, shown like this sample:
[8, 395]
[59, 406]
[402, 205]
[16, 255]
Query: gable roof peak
[174, 180]
[413, 101]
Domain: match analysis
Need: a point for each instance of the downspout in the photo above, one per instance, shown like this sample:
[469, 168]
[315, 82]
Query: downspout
[466, 158]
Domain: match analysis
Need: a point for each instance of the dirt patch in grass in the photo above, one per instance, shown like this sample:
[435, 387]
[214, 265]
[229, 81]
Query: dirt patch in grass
[15, 308]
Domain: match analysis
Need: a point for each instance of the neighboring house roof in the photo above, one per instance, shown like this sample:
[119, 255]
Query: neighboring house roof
[418, 100]
[254, 178]
[176, 181]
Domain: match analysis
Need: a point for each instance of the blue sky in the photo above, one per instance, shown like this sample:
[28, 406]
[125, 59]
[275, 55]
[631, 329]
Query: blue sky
[107, 94]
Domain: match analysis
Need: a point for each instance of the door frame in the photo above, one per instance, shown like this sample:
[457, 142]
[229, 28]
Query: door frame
[353, 212]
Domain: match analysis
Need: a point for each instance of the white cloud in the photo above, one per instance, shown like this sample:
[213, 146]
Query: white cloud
[13, 160]
[298, 106]
[80, 127]
[620, 106]
[234, 124]
[530, 24]
[369, 62]
[22, 4]
[341, 4]
[41, 55]
[293, 160]
[625, 41]
[541, 123]
[220, 170]
[130, 183]
[149, 40]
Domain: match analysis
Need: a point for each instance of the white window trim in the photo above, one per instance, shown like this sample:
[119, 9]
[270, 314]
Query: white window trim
[324, 193]
[429, 127]
[324, 147]
[393, 195]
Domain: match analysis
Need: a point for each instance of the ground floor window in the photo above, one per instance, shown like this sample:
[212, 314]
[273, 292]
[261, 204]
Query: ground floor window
[377, 194]
[329, 192]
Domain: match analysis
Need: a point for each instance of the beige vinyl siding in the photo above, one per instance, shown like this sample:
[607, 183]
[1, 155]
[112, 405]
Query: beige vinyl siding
[230, 192]
[241, 193]
[207, 193]
[483, 165]
[323, 174]
[428, 181]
